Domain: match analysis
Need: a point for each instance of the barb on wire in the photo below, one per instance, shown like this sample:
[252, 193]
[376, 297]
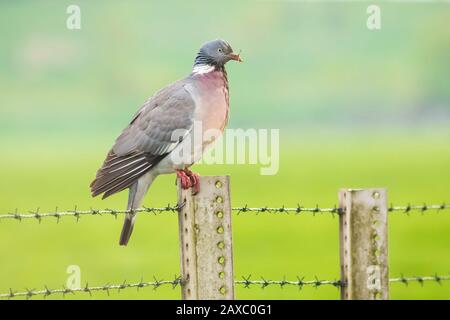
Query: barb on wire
[77, 214]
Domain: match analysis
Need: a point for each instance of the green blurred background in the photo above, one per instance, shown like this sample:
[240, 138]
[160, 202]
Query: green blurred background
[355, 108]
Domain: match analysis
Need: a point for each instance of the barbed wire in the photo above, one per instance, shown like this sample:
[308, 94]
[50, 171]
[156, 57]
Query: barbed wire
[29, 293]
[247, 282]
[422, 208]
[277, 210]
[420, 279]
[300, 282]
[335, 210]
[77, 214]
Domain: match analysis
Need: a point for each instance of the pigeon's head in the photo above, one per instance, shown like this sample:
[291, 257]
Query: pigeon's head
[216, 53]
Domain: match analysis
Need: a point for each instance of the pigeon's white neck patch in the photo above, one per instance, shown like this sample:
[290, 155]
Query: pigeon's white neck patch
[202, 68]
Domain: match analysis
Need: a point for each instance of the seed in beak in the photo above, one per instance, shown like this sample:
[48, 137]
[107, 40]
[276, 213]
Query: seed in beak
[235, 57]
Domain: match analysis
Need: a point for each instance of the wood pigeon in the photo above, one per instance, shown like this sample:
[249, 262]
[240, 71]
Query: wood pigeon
[143, 150]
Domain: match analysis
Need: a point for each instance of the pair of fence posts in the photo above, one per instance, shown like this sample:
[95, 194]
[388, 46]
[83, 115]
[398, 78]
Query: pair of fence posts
[207, 253]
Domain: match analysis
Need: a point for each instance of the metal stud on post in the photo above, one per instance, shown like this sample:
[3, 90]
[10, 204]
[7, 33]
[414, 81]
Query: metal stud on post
[206, 241]
[363, 244]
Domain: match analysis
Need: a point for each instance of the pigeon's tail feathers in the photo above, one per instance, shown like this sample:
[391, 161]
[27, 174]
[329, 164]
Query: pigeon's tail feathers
[127, 229]
[135, 198]
[120, 172]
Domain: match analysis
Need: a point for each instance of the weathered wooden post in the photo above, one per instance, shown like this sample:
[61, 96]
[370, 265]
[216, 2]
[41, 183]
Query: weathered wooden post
[363, 244]
[205, 240]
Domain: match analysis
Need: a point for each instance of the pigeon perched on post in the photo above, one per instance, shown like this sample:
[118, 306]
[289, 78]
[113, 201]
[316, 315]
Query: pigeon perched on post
[147, 147]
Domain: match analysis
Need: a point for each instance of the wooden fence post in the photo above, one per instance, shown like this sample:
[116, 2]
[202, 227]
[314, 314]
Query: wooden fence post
[205, 240]
[363, 244]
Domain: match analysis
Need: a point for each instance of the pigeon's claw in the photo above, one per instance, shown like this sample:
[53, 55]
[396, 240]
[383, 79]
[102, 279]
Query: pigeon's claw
[195, 180]
[185, 180]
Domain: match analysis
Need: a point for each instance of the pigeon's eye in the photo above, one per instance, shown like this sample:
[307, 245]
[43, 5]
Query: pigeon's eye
[220, 50]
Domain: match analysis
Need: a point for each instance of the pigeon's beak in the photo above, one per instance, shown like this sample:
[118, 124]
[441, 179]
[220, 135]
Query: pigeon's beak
[234, 56]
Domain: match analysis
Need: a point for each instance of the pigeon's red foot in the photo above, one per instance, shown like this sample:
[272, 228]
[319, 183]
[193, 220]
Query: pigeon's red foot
[185, 180]
[195, 180]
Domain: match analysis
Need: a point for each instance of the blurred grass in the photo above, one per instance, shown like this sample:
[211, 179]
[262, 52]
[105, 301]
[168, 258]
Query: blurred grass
[314, 61]
[356, 109]
[311, 171]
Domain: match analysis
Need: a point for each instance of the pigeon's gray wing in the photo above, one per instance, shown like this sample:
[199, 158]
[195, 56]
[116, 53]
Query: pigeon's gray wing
[147, 140]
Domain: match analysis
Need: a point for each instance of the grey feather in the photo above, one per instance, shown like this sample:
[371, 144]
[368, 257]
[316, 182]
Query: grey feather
[151, 130]
[147, 139]
[135, 198]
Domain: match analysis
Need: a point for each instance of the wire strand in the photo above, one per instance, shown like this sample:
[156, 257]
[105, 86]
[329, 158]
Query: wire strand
[247, 282]
[77, 214]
